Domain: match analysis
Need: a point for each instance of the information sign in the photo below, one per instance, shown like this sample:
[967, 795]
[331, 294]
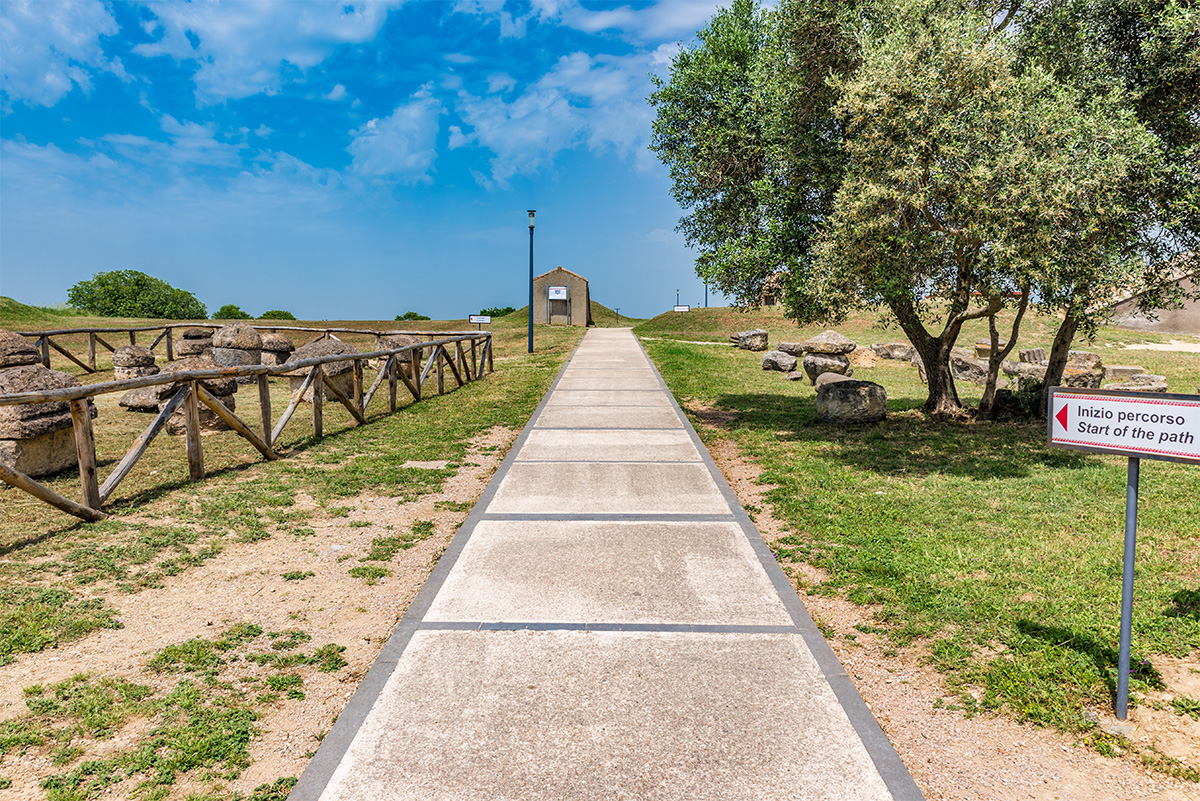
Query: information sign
[1137, 425]
[1143, 424]
[556, 293]
[683, 308]
[481, 318]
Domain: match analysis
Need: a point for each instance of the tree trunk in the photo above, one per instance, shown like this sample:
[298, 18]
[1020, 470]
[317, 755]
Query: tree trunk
[996, 357]
[935, 354]
[1058, 356]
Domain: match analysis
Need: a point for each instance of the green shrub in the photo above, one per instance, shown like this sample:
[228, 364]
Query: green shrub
[497, 311]
[277, 314]
[129, 293]
[230, 312]
[411, 315]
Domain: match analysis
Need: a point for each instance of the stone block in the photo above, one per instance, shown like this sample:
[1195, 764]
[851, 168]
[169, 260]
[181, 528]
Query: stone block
[1077, 378]
[1033, 356]
[966, 368]
[862, 357]
[16, 350]
[209, 421]
[41, 455]
[126, 373]
[983, 348]
[778, 360]
[829, 342]
[755, 339]
[894, 350]
[1122, 372]
[851, 402]
[1084, 360]
[817, 363]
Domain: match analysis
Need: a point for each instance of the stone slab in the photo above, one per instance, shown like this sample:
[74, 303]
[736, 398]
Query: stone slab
[600, 381]
[698, 573]
[570, 715]
[609, 417]
[608, 398]
[608, 446]
[607, 488]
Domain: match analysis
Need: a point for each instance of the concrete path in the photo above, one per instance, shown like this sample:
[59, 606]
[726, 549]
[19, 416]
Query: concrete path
[607, 624]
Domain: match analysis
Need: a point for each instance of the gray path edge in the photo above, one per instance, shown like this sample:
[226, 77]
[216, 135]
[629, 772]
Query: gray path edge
[891, 768]
[320, 769]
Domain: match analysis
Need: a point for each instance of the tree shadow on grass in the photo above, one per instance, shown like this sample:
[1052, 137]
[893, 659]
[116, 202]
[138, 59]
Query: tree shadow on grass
[1104, 657]
[906, 442]
[1185, 603]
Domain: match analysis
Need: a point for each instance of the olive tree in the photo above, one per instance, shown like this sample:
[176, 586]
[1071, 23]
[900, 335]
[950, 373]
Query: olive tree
[130, 293]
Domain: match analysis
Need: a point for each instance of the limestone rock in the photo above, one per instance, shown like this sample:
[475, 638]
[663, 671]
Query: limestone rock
[126, 373]
[37, 438]
[193, 347]
[209, 421]
[828, 342]
[276, 348]
[132, 356]
[831, 378]
[966, 368]
[393, 341]
[851, 402]
[983, 348]
[778, 360]
[1033, 356]
[894, 350]
[817, 363]
[1144, 385]
[340, 372]
[755, 339]
[1122, 372]
[198, 333]
[791, 348]
[237, 336]
[1084, 360]
[143, 399]
[33, 378]
[796, 375]
[42, 455]
[16, 350]
[863, 357]
[1077, 378]
[217, 386]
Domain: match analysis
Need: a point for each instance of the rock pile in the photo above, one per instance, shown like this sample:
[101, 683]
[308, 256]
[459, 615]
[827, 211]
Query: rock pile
[195, 342]
[1142, 382]
[35, 438]
[340, 373]
[132, 361]
[276, 348]
[237, 345]
[844, 400]
[824, 353]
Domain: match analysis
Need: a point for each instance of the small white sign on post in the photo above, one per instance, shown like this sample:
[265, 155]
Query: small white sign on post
[1137, 425]
[683, 308]
[1141, 424]
[556, 293]
[485, 319]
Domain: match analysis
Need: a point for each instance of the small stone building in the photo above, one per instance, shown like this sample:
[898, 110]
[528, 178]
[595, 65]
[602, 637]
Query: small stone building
[560, 297]
[1128, 313]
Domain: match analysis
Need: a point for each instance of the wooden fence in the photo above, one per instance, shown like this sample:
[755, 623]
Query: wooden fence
[465, 355]
[44, 340]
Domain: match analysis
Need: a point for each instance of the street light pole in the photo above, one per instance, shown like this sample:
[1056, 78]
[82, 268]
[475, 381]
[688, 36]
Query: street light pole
[531, 213]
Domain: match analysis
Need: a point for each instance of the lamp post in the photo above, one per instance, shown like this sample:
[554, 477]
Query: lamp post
[531, 213]
[676, 297]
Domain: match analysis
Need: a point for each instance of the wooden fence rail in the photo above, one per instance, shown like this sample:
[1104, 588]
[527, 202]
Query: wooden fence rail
[44, 343]
[399, 366]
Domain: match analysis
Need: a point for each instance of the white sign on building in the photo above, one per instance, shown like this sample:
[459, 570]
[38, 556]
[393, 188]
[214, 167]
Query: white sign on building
[556, 293]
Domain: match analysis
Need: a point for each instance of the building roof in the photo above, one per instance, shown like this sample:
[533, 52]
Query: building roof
[560, 269]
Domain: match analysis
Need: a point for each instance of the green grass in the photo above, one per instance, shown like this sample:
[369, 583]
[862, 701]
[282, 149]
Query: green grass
[384, 548]
[371, 574]
[34, 618]
[1000, 556]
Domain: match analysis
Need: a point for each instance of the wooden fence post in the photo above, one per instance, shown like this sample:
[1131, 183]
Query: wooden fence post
[85, 449]
[318, 389]
[132, 337]
[264, 407]
[195, 450]
[491, 366]
[439, 354]
[44, 344]
[358, 386]
[170, 345]
[92, 350]
[391, 384]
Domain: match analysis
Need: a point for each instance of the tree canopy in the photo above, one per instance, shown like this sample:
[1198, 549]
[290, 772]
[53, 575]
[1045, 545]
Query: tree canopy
[930, 159]
[130, 293]
[231, 312]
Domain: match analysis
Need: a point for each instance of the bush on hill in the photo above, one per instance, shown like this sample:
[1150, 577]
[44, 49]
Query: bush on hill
[277, 314]
[230, 312]
[130, 293]
[498, 311]
[411, 315]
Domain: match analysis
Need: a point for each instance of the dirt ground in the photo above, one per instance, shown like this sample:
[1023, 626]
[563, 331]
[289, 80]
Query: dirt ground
[987, 757]
[951, 757]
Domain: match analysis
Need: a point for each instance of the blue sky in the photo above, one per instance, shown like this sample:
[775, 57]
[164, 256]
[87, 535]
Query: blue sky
[341, 160]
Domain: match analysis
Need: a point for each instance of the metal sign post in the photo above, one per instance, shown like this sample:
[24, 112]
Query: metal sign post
[1134, 424]
[681, 310]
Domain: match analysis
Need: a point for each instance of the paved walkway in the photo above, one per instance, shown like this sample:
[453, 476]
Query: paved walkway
[607, 624]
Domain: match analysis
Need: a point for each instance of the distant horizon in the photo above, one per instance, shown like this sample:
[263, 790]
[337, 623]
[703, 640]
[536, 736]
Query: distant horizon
[354, 161]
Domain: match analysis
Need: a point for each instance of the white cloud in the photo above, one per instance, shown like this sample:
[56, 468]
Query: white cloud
[254, 46]
[190, 145]
[50, 48]
[500, 82]
[667, 19]
[402, 146]
[596, 102]
[336, 93]
[460, 58]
